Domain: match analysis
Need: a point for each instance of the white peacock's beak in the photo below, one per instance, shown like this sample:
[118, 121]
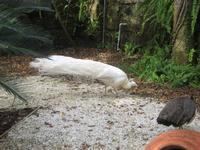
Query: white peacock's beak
[134, 84]
[131, 80]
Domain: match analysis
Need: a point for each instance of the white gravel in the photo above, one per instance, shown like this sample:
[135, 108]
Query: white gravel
[78, 115]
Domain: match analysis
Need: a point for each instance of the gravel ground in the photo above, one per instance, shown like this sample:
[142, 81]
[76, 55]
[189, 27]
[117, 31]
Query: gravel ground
[78, 115]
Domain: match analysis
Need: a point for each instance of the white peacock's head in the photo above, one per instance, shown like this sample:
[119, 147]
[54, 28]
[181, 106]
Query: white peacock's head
[129, 84]
[132, 83]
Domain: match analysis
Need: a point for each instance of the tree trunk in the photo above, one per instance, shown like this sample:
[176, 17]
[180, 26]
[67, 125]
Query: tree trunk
[181, 38]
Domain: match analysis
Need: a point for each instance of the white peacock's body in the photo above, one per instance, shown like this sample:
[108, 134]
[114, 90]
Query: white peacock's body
[60, 65]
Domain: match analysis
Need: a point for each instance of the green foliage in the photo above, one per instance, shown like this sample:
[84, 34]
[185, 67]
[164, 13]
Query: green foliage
[156, 64]
[156, 20]
[191, 55]
[11, 89]
[181, 75]
[130, 48]
[17, 36]
[92, 27]
[82, 14]
[14, 33]
[157, 13]
[85, 16]
[194, 14]
[157, 68]
[76, 14]
[77, 9]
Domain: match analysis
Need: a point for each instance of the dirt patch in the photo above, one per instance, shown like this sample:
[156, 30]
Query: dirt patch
[164, 93]
[78, 115]
[10, 117]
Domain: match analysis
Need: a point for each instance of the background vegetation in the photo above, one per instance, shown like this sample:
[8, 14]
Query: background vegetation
[159, 63]
[171, 54]
[19, 34]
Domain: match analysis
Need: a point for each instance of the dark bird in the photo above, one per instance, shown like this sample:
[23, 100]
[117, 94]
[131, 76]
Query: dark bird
[178, 111]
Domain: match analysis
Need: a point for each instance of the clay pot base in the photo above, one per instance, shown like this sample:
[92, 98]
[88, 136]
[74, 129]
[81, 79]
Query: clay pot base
[175, 140]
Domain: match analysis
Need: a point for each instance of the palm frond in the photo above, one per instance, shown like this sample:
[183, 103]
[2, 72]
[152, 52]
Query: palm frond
[26, 31]
[14, 33]
[17, 36]
[9, 48]
[11, 90]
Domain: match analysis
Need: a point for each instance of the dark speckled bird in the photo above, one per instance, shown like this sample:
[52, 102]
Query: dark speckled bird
[178, 111]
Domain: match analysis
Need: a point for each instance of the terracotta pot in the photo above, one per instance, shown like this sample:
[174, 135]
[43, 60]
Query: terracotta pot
[175, 140]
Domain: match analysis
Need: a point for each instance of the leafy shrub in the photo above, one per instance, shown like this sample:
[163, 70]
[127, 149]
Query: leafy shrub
[130, 48]
[76, 16]
[157, 68]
